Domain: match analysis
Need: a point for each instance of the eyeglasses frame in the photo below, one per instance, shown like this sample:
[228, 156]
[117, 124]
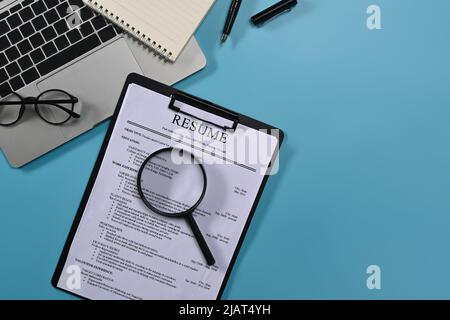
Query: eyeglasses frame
[35, 101]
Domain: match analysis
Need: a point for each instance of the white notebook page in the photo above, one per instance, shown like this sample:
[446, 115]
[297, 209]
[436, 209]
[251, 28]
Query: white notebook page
[168, 23]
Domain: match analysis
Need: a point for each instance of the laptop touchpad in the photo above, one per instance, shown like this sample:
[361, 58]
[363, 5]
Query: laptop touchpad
[97, 81]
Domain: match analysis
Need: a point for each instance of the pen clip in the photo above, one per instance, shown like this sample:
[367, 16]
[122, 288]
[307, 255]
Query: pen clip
[207, 112]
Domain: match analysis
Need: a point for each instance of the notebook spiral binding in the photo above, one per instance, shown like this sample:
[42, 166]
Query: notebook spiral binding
[163, 52]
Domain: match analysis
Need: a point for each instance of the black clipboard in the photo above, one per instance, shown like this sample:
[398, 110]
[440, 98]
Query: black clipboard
[199, 103]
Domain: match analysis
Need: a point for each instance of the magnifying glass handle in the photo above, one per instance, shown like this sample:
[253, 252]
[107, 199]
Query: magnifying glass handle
[201, 241]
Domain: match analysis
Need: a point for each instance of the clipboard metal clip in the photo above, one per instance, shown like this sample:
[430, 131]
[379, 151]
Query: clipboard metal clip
[206, 111]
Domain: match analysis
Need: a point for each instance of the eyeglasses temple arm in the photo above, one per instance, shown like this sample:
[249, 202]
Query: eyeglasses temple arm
[34, 101]
[10, 103]
[72, 100]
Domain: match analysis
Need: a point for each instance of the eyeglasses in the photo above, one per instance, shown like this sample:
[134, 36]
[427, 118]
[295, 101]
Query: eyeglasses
[55, 107]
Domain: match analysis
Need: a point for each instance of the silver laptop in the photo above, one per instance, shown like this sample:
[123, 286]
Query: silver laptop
[62, 44]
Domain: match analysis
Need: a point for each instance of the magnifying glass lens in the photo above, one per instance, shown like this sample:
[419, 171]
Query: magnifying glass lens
[172, 182]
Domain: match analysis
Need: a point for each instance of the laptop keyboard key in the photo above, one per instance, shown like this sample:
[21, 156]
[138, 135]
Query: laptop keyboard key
[63, 9]
[4, 15]
[36, 40]
[69, 54]
[98, 22]
[4, 27]
[61, 42]
[30, 75]
[5, 89]
[37, 56]
[49, 49]
[86, 29]
[15, 8]
[15, 36]
[38, 7]
[51, 16]
[39, 23]
[24, 47]
[78, 3]
[27, 29]
[74, 20]
[61, 26]
[107, 33]
[51, 3]
[3, 60]
[4, 43]
[14, 21]
[27, 2]
[118, 29]
[13, 69]
[26, 14]
[74, 35]
[25, 62]
[16, 83]
[3, 75]
[86, 13]
[49, 33]
[12, 53]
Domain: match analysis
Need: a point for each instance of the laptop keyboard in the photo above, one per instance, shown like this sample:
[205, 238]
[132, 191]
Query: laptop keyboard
[38, 37]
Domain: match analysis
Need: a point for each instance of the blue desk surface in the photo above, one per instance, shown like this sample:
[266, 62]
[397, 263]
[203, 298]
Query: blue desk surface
[365, 171]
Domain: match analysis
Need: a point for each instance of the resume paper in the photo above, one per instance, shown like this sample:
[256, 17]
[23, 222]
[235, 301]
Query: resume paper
[123, 250]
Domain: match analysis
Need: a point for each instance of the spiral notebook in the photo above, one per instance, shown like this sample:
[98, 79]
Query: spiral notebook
[165, 26]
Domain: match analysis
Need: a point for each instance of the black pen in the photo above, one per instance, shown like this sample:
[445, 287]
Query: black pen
[273, 11]
[232, 14]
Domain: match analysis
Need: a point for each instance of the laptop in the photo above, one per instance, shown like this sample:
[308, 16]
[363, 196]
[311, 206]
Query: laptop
[62, 44]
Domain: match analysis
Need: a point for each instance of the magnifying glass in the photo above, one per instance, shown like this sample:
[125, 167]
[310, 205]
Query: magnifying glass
[172, 183]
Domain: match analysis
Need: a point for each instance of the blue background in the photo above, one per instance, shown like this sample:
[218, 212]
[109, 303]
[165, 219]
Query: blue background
[365, 171]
